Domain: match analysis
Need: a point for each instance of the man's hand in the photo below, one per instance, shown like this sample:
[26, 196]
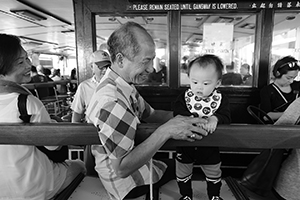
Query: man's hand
[184, 128]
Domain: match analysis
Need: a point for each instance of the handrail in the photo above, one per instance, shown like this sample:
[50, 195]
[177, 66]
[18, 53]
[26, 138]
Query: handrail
[46, 84]
[252, 136]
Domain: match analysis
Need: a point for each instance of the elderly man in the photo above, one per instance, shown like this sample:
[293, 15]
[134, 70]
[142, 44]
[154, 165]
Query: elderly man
[116, 109]
[99, 61]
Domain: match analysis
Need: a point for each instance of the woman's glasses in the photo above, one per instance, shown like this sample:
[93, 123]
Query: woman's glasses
[291, 64]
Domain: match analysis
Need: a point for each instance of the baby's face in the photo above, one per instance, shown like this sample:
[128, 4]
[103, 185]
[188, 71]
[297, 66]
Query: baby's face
[203, 80]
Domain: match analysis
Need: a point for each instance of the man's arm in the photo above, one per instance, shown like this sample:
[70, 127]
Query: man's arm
[179, 128]
[159, 116]
[76, 117]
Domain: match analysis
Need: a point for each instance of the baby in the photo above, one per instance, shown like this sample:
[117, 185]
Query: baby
[202, 100]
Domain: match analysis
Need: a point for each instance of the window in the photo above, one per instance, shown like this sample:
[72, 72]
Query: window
[231, 37]
[286, 37]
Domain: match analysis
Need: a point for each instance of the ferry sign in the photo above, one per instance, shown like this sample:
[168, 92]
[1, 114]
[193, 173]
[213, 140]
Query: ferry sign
[213, 6]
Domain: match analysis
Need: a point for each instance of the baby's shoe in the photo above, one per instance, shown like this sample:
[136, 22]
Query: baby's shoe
[185, 198]
[216, 198]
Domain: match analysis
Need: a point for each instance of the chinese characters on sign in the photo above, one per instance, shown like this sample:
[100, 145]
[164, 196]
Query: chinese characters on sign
[213, 6]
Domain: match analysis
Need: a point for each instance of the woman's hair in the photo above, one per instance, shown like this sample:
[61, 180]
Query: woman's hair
[10, 49]
[47, 71]
[285, 64]
[204, 60]
[124, 40]
[56, 72]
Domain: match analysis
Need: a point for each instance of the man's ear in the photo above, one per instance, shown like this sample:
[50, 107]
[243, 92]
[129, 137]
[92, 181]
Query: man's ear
[119, 60]
[219, 83]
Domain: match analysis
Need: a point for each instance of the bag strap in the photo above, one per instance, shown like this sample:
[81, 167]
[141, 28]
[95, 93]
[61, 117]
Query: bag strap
[278, 90]
[22, 106]
[56, 156]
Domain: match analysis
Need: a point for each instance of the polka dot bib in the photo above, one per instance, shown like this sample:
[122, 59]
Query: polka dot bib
[202, 107]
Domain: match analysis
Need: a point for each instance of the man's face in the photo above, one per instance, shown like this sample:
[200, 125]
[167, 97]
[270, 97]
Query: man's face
[244, 71]
[138, 70]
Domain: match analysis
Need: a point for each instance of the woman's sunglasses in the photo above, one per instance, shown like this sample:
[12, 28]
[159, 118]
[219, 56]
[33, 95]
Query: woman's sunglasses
[290, 64]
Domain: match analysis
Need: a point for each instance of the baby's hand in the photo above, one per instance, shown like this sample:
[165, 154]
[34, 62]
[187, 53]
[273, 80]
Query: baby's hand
[211, 124]
[200, 122]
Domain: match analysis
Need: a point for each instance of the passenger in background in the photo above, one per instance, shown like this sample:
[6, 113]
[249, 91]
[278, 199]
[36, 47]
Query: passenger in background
[47, 73]
[202, 100]
[277, 96]
[39, 78]
[159, 77]
[246, 76]
[72, 86]
[116, 109]
[26, 172]
[99, 62]
[231, 78]
[40, 69]
[56, 76]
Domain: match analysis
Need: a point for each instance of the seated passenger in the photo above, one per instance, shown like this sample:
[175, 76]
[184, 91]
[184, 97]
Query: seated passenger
[275, 99]
[47, 73]
[39, 78]
[246, 76]
[56, 76]
[277, 96]
[231, 78]
[26, 172]
[116, 109]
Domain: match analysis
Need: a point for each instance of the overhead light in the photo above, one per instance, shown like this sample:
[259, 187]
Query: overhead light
[150, 19]
[199, 18]
[112, 19]
[29, 15]
[248, 26]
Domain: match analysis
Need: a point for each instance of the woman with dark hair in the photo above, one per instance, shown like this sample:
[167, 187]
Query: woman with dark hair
[26, 172]
[275, 99]
[277, 96]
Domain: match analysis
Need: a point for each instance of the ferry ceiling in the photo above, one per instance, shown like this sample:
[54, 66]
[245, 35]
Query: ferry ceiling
[47, 26]
[44, 26]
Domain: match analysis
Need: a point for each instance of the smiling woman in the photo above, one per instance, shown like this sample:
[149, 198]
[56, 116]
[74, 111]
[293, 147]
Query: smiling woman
[15, 65]
[29, 172]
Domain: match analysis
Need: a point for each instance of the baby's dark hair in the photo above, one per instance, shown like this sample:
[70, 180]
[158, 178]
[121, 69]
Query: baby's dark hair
[206, 59]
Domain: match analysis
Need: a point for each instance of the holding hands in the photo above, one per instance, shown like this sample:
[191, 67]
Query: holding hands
[211, 124]
[184, 128]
